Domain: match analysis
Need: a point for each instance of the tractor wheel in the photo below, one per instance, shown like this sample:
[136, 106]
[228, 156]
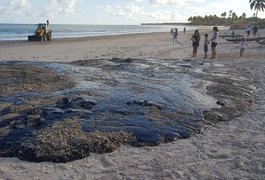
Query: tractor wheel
[49, 36]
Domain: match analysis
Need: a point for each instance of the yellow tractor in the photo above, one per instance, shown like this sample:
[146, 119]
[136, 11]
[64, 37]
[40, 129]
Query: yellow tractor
[42, 33]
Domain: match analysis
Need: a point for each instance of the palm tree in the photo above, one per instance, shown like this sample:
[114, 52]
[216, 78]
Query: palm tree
[223, 14]
[258, 5]
[230, 13]
[234, 16]
[244, 15]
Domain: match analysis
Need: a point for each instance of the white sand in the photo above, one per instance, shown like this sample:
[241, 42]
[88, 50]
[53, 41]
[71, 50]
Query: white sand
[228, 150]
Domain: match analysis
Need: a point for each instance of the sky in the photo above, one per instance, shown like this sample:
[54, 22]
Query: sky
[124, 12]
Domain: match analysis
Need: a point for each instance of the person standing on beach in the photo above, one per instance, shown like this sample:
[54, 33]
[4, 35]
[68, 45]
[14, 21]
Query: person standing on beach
[248, 30]
[184, 30]
[243, 45]
[255, 30]
[214, 42]
[175, 35]
[233, 34]
[195, 42]
[205, 46]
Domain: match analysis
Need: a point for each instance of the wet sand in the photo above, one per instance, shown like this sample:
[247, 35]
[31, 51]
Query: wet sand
[231, 149]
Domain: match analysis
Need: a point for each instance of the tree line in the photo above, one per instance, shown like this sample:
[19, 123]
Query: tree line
[232, 17]
[226, 19]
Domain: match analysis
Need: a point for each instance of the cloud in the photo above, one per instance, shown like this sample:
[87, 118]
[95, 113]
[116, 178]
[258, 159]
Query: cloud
[129, 11]
[163, 16]
[174, 2]
[136, 0]
[146, 13]
[217, 7]
[59, 7]
[133, 12]
[15, 7]
[48, 9]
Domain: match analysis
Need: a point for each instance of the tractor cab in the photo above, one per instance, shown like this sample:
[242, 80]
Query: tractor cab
[41, 26]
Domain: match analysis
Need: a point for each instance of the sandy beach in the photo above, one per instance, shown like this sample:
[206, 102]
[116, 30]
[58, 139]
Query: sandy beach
[233, 149]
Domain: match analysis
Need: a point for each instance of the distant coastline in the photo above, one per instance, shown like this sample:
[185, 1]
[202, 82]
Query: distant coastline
[167, 24]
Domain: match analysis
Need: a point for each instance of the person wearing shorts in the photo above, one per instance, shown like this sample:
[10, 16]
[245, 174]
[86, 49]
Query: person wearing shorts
[175, 36]
[205, 45]
[214, 42]
[195, 42]
[243, 45]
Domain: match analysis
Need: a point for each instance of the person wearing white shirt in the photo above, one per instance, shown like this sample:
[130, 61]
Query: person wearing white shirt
[214, 42]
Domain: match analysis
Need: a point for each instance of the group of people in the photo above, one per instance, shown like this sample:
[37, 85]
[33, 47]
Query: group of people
[175, 34]
[213, 41]
[250, 29]
[196, 41]
[243, 43]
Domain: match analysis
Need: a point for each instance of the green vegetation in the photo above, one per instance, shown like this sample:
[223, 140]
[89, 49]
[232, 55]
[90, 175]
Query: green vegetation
[257, 5]
[231, 18]
[226, 19]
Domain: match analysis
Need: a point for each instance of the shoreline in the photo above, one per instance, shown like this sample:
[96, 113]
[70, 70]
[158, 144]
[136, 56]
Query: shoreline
[71, 49]
[85, 38]
[78, 38]
[68, 31]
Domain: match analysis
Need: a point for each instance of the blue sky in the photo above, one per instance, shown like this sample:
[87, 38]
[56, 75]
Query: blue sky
[116, 11]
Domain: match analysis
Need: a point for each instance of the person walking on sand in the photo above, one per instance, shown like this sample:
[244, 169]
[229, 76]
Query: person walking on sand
[175, 35]
[184, 30]
[214, 42]
[205, 45]
[243, 45]
[195, 42]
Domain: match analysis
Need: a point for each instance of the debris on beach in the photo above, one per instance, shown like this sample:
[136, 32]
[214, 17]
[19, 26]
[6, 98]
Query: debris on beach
[63, 112]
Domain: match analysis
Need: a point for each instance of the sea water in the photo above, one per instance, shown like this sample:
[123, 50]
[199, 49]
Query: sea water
[9, 32]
